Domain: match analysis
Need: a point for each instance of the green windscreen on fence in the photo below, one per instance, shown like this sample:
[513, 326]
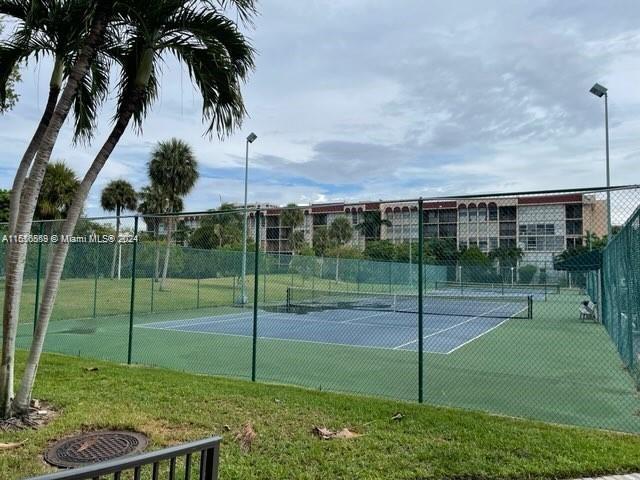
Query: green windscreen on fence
[621, 293]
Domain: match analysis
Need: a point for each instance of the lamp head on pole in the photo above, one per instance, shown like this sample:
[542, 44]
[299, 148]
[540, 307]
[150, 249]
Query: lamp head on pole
[252, 137]
[598, 90]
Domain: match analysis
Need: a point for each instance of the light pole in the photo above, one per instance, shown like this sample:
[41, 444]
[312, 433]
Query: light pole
[243, 289]
[600, 91]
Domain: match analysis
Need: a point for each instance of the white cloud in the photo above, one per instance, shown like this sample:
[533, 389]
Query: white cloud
[354, 99]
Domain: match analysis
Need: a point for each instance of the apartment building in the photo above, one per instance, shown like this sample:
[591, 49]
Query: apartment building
[542, 226]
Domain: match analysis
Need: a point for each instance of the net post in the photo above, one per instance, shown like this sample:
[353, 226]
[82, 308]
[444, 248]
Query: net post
[420, 302]
[133, 288]
[35, 310]
[153, 280]
[256, 276]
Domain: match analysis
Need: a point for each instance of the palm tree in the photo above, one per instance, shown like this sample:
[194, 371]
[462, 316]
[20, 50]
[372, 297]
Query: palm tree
[174, 169]
[117, 196]
[340, 233]
[291, 218]
[40, 27]
[152, 204]
[218, 59]
[58, 188]
[371, 225]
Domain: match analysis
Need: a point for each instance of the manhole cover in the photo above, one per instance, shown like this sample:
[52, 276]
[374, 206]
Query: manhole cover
[94, 447]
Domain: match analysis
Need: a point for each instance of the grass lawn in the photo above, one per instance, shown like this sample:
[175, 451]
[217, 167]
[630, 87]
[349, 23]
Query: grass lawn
[429, 442]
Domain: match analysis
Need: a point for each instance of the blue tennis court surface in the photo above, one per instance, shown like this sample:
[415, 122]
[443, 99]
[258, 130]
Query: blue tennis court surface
[355, 328]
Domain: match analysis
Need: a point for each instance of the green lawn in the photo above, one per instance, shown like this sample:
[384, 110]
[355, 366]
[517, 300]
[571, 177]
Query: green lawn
[552, 368]
[429, 442]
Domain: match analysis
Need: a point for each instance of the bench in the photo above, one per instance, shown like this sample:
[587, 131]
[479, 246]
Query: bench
[206, 453]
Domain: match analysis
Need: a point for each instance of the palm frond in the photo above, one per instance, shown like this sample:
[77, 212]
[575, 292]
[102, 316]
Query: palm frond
[92, 92]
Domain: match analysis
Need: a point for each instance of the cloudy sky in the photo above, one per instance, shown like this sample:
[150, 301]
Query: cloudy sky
[364, 99]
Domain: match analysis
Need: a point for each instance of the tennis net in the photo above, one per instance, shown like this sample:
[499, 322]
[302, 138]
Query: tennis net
[500, 288]
[502, 306]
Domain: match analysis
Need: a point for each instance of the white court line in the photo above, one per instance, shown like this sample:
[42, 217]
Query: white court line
[449, 328]
[227, 318]
[484, 333]
[273, 315]
[315, 342]
[355, 321]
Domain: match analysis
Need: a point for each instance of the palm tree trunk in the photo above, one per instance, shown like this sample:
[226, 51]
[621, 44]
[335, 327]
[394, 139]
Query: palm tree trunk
[52, 281]
[116, 244]
[156, 272]
[167, 253]
[8, 338]
[16, 256]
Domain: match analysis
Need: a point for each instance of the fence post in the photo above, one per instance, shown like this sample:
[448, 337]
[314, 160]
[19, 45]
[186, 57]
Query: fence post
[95, 280]
[133, 288]
[420, 303]
[153, 281]
[35, 310]
[198, 292]
[256, 276]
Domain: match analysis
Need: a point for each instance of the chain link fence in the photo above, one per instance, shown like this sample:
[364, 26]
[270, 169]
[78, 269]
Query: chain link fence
[517, 304]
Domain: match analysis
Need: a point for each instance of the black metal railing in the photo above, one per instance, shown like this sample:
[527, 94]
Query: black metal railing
[208, 451]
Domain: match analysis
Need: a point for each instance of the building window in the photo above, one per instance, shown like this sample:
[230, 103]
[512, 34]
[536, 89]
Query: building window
[448, 216]
[573, 211]
[473, 242]
[482, 212]
[574, 242]
[574, 227]
[483, 245]
[507, 242]
[320, 219]
[431, 231]
[462, 213]
[473, 213]
[447, 230]
[431, 216]
[507, 213]
[493, 212]
[493, 243]
[507, 229]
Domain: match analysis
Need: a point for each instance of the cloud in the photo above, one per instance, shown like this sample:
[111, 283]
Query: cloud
[353, 99]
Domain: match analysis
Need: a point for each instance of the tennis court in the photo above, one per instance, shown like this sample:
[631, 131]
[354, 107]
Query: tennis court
[365, 320]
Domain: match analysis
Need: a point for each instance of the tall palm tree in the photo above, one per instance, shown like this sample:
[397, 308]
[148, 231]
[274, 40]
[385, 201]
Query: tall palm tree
[152, 204]
[340, 233]
[58, 188]
[89, 22]
[174, 169]
[290, 219]
[117, 196]
[371, 225]
[218, 59]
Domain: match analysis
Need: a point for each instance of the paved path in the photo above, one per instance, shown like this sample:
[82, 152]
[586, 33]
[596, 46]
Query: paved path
[631, 476]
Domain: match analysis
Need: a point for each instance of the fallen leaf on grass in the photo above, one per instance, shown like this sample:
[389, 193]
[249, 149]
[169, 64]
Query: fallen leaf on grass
[246, 437]
[326, 434]
[346, 433]
[397, 417]
[9, 446]
[91, 369]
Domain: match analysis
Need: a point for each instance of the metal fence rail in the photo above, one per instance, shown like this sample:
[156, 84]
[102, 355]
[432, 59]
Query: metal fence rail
[201, 460]
[471, 301]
